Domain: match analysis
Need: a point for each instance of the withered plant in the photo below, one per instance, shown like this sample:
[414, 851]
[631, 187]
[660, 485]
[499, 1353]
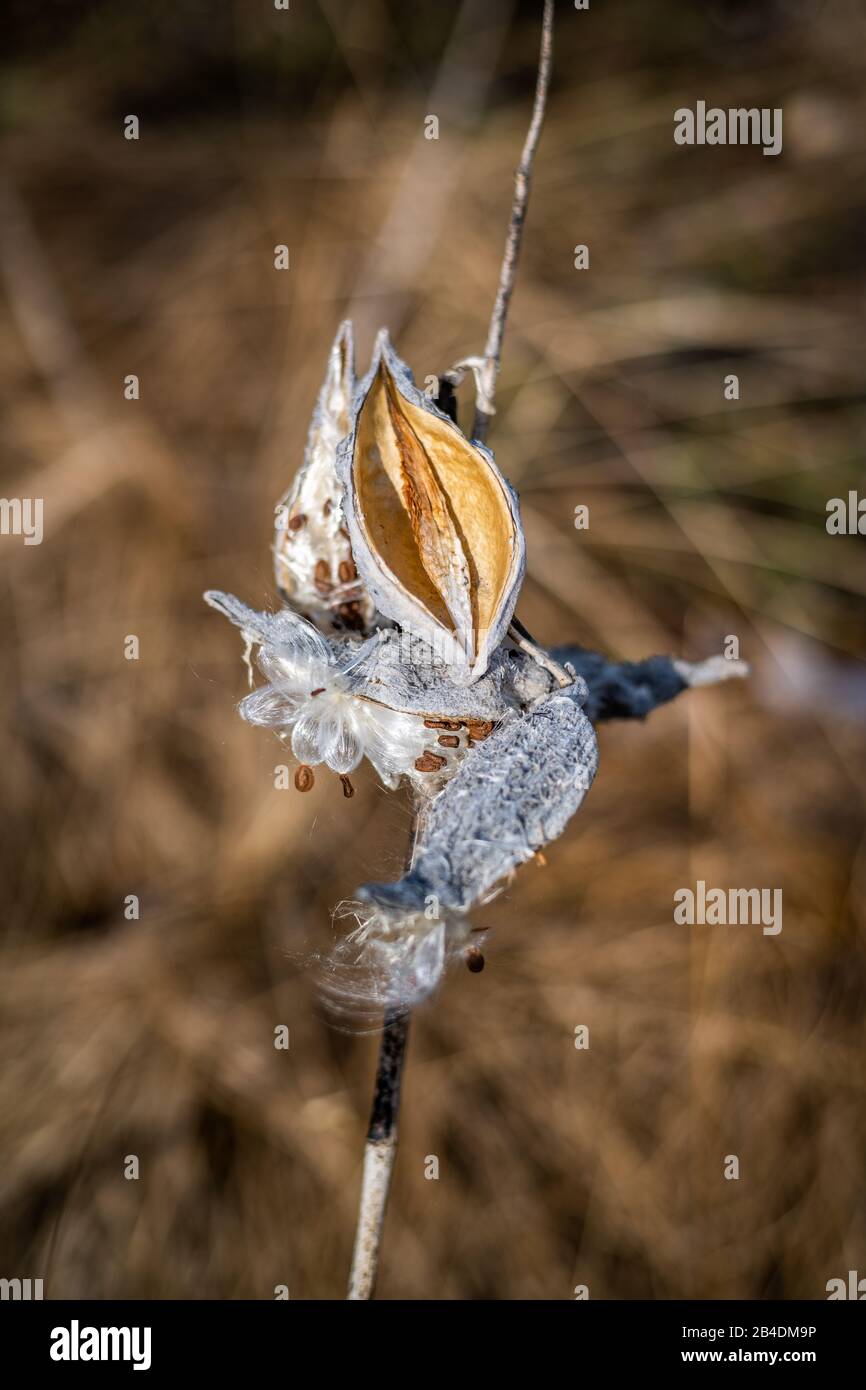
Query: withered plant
[399, 555]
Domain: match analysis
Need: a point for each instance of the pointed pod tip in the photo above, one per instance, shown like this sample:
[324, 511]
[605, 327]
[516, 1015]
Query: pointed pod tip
[383, 350]
[343, 354]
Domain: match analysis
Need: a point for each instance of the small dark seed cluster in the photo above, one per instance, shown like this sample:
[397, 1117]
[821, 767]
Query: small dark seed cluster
[476, 729]
[348, 614]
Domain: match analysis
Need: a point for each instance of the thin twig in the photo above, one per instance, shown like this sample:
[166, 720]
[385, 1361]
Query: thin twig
[485, 376]
[379, 1153]
[486, 369]
[527, 643]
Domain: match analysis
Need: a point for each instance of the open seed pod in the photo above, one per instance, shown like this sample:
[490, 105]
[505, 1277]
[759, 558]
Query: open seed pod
[434, 526]
[313, 561]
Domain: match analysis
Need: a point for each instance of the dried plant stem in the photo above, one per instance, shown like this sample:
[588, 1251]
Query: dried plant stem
[489, 368]
[379, 1154]
[381, 1146]
[523, 639]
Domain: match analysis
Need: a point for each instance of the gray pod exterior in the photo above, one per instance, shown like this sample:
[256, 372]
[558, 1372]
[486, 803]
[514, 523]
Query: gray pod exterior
[515, 794]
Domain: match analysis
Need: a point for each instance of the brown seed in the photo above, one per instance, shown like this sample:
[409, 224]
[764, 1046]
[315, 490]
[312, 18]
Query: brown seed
[448, 740]
[442, 724]
[320, 690]
[474, 960]
[429, 762]
[540, 859]
[297, 521]
[348, 789]
[304, 778]
[326, 510]
[322, 576]
[344, 533]
[347, 571]
[479, 728]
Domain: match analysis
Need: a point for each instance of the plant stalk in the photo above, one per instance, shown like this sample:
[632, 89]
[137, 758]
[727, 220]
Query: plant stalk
[489, 368]
[379, 1153]
[381, 1145]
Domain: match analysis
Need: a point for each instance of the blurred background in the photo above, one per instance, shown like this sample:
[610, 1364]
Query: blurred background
[707, 519]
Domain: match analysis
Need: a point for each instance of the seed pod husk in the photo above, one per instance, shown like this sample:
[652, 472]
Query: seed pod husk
[313, 560]
[512, 795]
[434, 526]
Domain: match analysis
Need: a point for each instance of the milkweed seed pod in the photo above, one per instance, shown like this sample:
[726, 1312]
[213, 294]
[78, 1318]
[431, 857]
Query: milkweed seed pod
[313, 561]
[515, 794]
[498, 755]
[434, 526]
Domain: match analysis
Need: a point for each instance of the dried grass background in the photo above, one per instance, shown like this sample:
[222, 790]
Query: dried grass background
[155, 1037]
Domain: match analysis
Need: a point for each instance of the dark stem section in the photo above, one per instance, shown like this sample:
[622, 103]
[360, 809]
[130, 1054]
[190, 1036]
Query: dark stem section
[379, 1153]
[381, 1147]
[623, 689]
[446, 399]
[386, 1097]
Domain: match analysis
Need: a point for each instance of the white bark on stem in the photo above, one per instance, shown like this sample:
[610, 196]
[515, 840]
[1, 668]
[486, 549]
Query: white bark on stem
[379, 1154]
[381, 1147]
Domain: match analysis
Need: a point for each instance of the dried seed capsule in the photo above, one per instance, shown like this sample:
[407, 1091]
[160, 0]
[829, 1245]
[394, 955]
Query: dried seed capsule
[304, 778]
[314, 528]
[514, 794]
[434, 526]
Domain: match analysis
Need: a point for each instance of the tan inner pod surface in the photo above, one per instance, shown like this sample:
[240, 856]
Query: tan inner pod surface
[467, 497]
